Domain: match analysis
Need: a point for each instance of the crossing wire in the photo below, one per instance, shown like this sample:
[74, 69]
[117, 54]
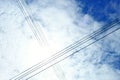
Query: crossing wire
[105, 29]
[34, 27]
[36, 31]
[79, 49]
[63, 58]
[66, 50]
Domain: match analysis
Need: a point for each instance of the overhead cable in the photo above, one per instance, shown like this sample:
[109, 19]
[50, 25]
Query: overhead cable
[70, 50]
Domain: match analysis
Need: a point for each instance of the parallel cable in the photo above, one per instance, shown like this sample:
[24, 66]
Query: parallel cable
[66, 50]
[70, 55]
[34, 27]
[37, 32]
[79, 49]
[33, 31]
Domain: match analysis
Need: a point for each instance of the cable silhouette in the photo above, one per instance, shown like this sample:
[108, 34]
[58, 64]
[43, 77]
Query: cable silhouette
[85, 46]
[68, 49]
[65, 57]
[35, 30]
[78, 50]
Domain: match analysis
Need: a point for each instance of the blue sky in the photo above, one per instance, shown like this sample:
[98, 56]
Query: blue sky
[58, 23]
[101, 10]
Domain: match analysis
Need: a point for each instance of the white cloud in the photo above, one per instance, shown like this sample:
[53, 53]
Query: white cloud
[62, 25]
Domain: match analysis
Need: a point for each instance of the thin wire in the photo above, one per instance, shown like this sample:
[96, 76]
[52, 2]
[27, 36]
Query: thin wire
[56, 56]
[44, 40]
[71, 54]
[37, 32]
[52, 60]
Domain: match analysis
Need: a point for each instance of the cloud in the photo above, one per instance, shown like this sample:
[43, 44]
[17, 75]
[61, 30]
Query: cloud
[62, 25]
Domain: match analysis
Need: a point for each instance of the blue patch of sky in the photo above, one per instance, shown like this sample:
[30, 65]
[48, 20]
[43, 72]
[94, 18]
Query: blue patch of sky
[28, 2]
[116, 64]
[100, 10]
[111, 58]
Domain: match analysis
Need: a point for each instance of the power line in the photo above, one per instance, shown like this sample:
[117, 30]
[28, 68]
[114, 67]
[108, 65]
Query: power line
[66, 51]
[39, 35]
[34, 27]
[76, 51]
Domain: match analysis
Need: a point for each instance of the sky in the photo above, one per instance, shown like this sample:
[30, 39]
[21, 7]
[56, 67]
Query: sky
[51, 25]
